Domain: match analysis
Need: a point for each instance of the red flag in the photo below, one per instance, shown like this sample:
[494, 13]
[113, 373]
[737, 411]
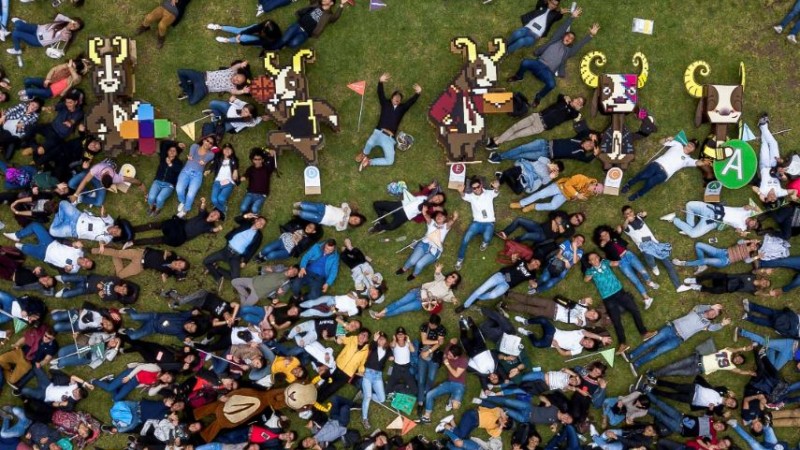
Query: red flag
[408, 425]
[359, 87]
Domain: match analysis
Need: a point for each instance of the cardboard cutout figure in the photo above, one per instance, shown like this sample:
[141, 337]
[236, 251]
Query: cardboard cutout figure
[113, 84]
[284, 92]
[458, 112]
[616, 95]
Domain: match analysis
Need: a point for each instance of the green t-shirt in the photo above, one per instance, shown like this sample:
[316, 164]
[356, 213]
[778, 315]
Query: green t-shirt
[604, 279]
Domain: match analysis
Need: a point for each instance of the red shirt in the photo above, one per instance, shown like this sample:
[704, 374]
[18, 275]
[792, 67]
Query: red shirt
[147, 378]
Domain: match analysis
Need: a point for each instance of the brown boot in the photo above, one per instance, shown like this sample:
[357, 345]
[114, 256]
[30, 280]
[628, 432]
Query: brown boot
[160, 42]
[141, 30]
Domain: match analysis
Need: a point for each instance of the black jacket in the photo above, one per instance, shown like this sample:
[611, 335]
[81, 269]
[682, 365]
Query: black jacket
[254, 245]
[553, 16]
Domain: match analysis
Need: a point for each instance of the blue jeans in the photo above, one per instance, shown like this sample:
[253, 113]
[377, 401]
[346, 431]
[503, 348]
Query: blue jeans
[547, 281]
[44, 239]
[652, 175]
[189, 182]
[709, 255]
[193, 84]
[310, 311]
[118, 388]
[252, 202]
[466, 443]
[426, 374]
[614, 418]
[519, 410]
[533, 230]
[493, 287]
[567, 434]
[24, 32]
[373, 388]
[697, 221]
[790, 262]
[608, 444]
[68, 356]
[531, 151]
[65, 221]
[34, 87]
[423, 255]
[294, 37]
[548, 331]
[4, 14]
[252, 314]
[314, 283]
[779, 351]
[665, 413]
[521, 37]
[541, 72]
[243, 38]
[486, 229]
[630, 265]
[379, 139]
[42, 381]
[665, 341]
[159, 193]
[78, 287]
[274, 250]
[312, 211]
[551, 190]
[95, 198]
[220, 109]
[791, 15]
[220, 195]
[19, 428]
[762, 315]
[453, 389]
[270, 5]
[410, 302]
[63, 320]
[668, 266]
[769, 438]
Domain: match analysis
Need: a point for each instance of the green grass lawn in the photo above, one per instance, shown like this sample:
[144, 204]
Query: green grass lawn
[411, 39]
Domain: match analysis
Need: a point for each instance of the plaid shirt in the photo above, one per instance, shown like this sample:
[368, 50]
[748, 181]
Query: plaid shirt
[20, 113]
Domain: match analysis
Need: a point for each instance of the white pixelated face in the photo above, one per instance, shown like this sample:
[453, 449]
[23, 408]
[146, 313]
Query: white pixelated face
[285, 86]
[485, 72]
[724, 103]
[109, 76]
[618, 93]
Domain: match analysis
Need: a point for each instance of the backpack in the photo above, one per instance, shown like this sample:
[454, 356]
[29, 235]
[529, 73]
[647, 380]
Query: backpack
[122, 413]
[511, 248]
[521, 105]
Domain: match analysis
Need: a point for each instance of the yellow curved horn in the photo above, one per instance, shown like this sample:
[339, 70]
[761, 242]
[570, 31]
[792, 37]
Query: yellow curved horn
[122, 44]
[297, 62]
[456, 46]
[587, 75]
[640, 59]
[692, 87]
[742, 74]
[499, 49]
[94, 43]
[268, 64]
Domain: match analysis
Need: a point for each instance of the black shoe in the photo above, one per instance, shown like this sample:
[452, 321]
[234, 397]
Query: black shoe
[411, 277]
[491, 144]
[169, 293]
[535, 103]
[399, 271]
[141, 30]
[459, 309]
[494, 158]
[182, 96]
[498, 175]
[625, 189]
[513, 79]
[160, 42]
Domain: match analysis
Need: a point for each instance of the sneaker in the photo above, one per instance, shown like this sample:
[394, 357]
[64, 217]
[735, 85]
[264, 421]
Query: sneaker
[736, 334]
[181, 214]
[792, 38]
[593, 431]
[678, 262]
[424, 419]
[535, 103]
[448, 407]
[494, 158]
[420, 409]
[684, 288]
[690, 280]
[484, 246]
[221, 40]
[444, 422]
[498, 175]
[14, 51]
[259, 10]
[763, 120]
[732, 423]
[700, 269]
[182, 96]
[625, 188]
[651, 378]
[213, 26]
[653, 285]
[521, 320]
[140, 30]
[778, 29]
[746, 305]
[668, 217]
[4, 34]
[655, 271]
[649, 335]
[459, 309]
[459, 264]
[365, 423]
[491, 144]
[476, 401]
[529, 208]
[513, 79]
[12, 236]
[648, 302]
[515, 205]
[523, 331]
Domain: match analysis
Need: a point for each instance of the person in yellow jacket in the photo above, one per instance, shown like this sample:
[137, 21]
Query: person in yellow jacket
[492, 420]
[576, 187]
[349, 363]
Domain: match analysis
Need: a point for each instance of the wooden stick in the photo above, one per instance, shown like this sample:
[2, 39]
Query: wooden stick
[450, 163]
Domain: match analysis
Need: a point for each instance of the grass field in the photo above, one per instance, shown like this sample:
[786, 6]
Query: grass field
[410, 39]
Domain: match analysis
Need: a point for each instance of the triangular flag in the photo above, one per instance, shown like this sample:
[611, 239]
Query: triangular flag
[189, 129]
[681, 137]
[608, 355]
[19, 325]
[747, 134]
[408, 425]
[396, 424]
[359, 86]
[376, 5]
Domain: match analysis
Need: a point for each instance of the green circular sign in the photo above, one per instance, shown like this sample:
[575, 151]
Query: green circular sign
[738, 169]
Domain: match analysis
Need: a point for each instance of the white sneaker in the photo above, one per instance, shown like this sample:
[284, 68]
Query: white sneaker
[459, 264]
[180, 207]
[26, 1]
[15, 19]
[593, 431]
[678, 262]
[4, 34]
[221, 40]
[213, 26]
[697, 287]
[448, 406]
[521, 320]
[669, 217]
[13, 51]
[700, 269]
[12, 236]
[447, 419]
[690, 280]
[792, 38]
[181, 214]
[477, 401]
[778, 29]
[259, 10]
[648, 302]
[653, 285]
[523, 331]
[439, 428]
[655, 271]
[684, 288]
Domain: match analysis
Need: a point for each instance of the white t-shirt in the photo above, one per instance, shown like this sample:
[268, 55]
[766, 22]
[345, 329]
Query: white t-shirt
[61, 255]
[483, 363]
[736, 217]
[411, 207]
[224, 176]
[345, 304]
[402, 355]
[537, 25]
[482, 205]
[675, 159]
[336, 217]
[768, 183]
[557, 380]
[93, 228]
[55, 393]
[10, 125]
[236, 340]
[704, 396]
[577, 316]
[638, 231]
[569, 341]
[435, 234]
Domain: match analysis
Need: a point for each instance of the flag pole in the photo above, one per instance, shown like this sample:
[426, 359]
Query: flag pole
[360, 111]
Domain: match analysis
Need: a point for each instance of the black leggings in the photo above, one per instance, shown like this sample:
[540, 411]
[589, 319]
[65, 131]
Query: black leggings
[471, 339]
[682, 392]
[616, 305]
[395, 218]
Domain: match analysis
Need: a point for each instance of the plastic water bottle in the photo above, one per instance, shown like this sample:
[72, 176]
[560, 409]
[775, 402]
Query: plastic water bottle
[19, 60]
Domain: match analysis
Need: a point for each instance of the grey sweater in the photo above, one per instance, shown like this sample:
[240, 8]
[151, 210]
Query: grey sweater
[565, 52]
[694, 322]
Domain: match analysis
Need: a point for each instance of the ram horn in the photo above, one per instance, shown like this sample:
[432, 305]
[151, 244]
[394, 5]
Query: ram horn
[587, 75]
[457, 45]
[640, 59]
[94, 44]
[268, 64]
[297, 62]
[122, 45]
[498, 46]
[692, 87]
[742, 77]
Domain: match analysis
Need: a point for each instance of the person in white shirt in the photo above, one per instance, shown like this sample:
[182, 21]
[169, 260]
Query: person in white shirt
[568, 343]
[70, 222]
[59, 395]
[348, 305]
[482, 203]
[664, 167]
[637, 229]
[235, 114]
[69, 258]
[769, 189]
[702, 217]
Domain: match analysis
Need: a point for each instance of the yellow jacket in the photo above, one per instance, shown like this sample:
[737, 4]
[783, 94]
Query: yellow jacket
[285, 365]
[351, 359]
[574, 185]
[489, 420]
